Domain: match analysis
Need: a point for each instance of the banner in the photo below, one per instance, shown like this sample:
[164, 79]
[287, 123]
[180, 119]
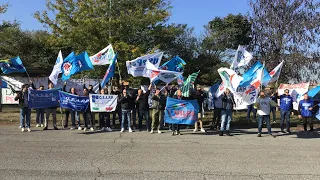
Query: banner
[136, 66]
[70, 101]
[242, 99]
[8, 96]
[103, 103]
[181, 111]
[17, 82]
[296, 92]
[43, 98]
[211, 94]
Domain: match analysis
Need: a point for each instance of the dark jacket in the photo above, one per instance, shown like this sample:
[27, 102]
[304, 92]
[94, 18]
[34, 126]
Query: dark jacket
[143, 101]
[91, 91]
[227, 101]
[21, 96]
[199, 96]
[159, 102]
[126, 102]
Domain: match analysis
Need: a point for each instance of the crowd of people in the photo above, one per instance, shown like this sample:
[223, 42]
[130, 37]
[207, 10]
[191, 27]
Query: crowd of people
[133, 105]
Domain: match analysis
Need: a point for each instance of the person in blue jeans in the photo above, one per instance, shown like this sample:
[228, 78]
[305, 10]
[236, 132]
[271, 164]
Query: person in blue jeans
[40, 112]
[226, 114]
[305, 111]
[126, 107]
[250, 109]
[143, 106]
[263, 104]
[25, 111]
[273, 110]
[286, 106]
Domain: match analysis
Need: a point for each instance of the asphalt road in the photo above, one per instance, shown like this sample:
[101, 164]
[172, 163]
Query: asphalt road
[67, 154]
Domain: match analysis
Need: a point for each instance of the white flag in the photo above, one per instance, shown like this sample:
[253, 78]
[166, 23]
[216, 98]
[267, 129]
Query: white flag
[275, 73]
[230, 79]
[152, 72]
[105, 56]
[252, 91]
[136, 66]
[242, 58]
[56, 69]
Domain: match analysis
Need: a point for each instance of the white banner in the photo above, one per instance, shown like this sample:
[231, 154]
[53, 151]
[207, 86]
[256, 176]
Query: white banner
[105, 56]
[153, 73]
[136, 66]
[296, 92]
[243, 97]
[17, 82]
[103, 103]
[8, 96]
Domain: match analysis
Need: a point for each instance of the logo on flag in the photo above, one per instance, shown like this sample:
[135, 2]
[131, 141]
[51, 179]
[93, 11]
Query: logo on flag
[67, 68]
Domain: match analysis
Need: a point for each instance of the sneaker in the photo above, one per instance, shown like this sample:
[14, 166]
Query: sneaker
[29, 130]
[102, 129]
[72, 128]
[22, 129]
[220, 133]
[46, 128]
[151, 132]
[38, 125]
[170, 130]
[109, 129]
[195, 130]
[55, 128]
[203, 130]
[85, 129]
[130, 130]
[178, 133]
[172, 133]
[79, 128]
[228, 133]
[259, 135]
[42, 125]
[289, 132]
[122, 130]
[91, 129]
[283, 131]
[159, 132]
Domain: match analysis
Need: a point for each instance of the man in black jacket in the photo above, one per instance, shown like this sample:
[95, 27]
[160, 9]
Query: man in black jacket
[126, 106]
[70, 112]
[142, 101]
[25, 111]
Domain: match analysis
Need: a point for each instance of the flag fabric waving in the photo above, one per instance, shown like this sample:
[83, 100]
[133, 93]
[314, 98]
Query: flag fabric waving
[211, 95]
[137, 66]
[251, 75]
[242, 58]
[12, 65]
[154, 73]
[313, 92]
[187, 84]
[180, 80]
[110, 72]
[230, 79]
[105, 56]
[175, 64]
[275, 73]
[56, 69]
[73, 64]
[252, 91]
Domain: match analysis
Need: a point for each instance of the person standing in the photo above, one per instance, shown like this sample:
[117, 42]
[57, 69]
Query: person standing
[53, 112]
[40, 112]
[263, 104]
[217, 111]
[162, 107]
[91, 115]
[286, 106]
[199, 96]
[156, 108]
[274, 98]
[25, 111]
[143, 105]
[126, 106]
[176, 127]
[226, 113]
[86, 113]
[305, 111]
[104, 117]
[70, 112]
[250, 109]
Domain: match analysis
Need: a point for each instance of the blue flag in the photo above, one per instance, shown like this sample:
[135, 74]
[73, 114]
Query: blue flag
[110, 72]
[84, 61]
[175, 64]
[313, 92]
[251, 75]
[181, 111]
[43, 98]
[73, 64]
[12, 65]
[3, 84]
[70, 101]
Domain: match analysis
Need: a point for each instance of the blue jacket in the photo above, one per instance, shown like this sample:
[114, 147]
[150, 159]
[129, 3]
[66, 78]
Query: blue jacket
[304, 106]
[286, 103]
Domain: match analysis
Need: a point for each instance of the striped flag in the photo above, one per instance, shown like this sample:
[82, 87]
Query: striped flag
[188, 82]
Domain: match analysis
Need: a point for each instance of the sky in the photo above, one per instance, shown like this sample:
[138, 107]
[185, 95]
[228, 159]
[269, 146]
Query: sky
[194, 13]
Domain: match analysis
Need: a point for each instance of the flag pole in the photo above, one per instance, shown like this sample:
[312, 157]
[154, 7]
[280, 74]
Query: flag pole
[119, 71]
[27, 73]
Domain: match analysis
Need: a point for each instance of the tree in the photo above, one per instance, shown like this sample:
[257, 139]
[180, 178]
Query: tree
[3, 8]
[286, 30]
[132, 27]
